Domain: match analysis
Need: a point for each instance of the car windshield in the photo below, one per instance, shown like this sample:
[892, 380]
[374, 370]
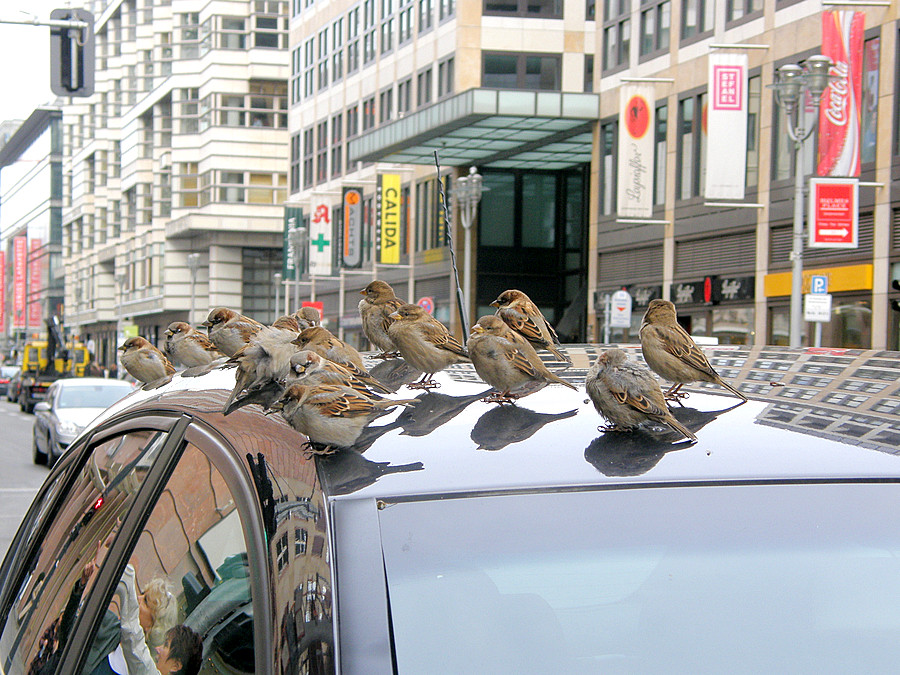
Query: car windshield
[8, 371]
[759, 578]
[91, 396]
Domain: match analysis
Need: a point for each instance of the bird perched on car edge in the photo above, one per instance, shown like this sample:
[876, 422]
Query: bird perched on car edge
[265, 359]
[143, 361]
[506, 360]
[524, 317]
[309, 367]
[374, 310]
[626, 393]
[188, 346]
[324, 342]
[672, 354]
[424, 343]
[230, 331]
[331, 415]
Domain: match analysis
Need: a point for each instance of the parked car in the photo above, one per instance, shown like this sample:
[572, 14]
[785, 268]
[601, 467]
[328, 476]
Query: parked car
[461, 536]
[71, 405]
[12, 388]
[7, 373]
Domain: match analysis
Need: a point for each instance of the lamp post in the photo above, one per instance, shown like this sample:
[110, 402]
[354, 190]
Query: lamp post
[468, 193]
[120, 279]
[297, 238]
[193, 262]
[792, 82]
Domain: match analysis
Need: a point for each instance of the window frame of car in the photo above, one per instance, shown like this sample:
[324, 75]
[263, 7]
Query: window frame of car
[180, 429]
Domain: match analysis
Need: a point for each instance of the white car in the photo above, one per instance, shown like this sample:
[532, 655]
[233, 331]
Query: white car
[72, 404]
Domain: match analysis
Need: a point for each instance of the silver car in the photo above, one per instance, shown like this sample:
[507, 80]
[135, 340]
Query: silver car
[71, 405]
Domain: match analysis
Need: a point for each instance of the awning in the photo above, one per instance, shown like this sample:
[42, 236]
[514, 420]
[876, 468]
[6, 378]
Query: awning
[489, 127]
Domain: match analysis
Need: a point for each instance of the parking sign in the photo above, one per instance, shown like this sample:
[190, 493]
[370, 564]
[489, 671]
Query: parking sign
[818, 284]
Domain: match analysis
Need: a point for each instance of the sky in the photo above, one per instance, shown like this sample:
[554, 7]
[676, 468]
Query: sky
[25, 57]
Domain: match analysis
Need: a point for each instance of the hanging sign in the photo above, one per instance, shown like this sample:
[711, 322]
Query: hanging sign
[834, 212]
[387, 208]
[726, 125]
[321, 235]
[635, 169]
[352, 228]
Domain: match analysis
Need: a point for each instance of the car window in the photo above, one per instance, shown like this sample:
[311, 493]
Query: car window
[60, 575]
[93, 396]
[190, 565]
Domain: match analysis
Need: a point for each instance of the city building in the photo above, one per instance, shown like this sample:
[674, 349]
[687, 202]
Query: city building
[31, 274]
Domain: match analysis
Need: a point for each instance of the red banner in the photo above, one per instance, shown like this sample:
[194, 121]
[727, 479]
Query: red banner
[35, 313]
[839, 112]
[19, 262]
[2, 291]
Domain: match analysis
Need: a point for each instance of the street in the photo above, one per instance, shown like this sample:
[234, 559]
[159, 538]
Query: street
[20, 478]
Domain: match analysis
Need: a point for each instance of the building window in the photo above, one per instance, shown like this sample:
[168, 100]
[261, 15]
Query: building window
[541, 72]
[190, 110]
[353, 40]
[405, 21]
[368, 31]
[322, 65]
[296, 79]
[264, 106]
[608, 141]
[308, 157]
[754, 96]
[738, 9]
[696, 18]
[270, 24]
[616, 34]
[258, 286]
[426, 15]
[231, 187]
[309, 65]
[337, 145]
[322, 151]
[423, 87]
[188, 35]
[387, 25]
[691, 150]
[404, 96]
[445, 77]
[659, 170]
[368, 114]
[446, 9]
[295, 163]
[232, 33]
[386, 105]
[589, 73]
[352, 121]
[337, 50]
[869, 112]
[300, 537]
[544, 9]
[656, 21]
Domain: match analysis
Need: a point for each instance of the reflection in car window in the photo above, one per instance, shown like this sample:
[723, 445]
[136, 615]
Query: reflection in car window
[193, 549]
[61, 573]
[96, 396]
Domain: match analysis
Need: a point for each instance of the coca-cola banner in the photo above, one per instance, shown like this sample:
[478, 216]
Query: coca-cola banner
[636, 131]
[19, 274]
[726, 126]
[839, 113]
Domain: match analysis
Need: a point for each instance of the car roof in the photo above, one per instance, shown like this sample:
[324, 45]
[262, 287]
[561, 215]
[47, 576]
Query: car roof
[92, 382]
[813, 415]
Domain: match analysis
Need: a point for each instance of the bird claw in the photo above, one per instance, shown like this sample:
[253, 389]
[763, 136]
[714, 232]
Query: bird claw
[603, 428]
[676, 396]
[500, 398]
[426, 384]
[311, 450]
[387, 355]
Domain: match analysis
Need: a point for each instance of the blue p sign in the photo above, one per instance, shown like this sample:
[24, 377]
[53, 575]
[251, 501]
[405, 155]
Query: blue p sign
[818, 284]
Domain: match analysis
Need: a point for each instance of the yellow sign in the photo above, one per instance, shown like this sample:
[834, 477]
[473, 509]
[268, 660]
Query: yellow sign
[389, 210]
[848, 278]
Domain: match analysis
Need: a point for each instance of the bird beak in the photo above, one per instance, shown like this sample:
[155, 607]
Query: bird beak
[495, 303]
[206, 324]
[394, 316]
[477, 329]
[362, 292]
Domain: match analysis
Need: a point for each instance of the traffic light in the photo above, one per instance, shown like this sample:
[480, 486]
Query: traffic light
[895, 304]
[72, 53]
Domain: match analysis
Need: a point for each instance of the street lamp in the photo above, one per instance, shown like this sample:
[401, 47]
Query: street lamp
[193, 262]
[120, 280]
[297, 240]
[468, 193]
[791, 83]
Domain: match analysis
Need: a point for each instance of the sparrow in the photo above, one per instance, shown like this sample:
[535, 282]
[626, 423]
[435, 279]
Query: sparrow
[143, 361]
[308, 367]
[324, 343]
[374, 309]
[230, 331]
[265, 358]
[188, 346]
[307, 317]
[424, 342]
[524, 317]
[672, 354]
[506, 361]
[626, 393]
[331, 416]
[287, 322]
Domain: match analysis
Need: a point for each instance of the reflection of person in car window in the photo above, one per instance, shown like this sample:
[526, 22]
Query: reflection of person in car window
[181, 653]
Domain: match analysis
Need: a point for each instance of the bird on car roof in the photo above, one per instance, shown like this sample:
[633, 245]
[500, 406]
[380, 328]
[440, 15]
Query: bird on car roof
[189, 347]
[375, 310]
[671, 352]
[307, 317]
[627, 394]
[507, 361]
[143, 361]
[309, 367]
[266, 358]
[524, 317]
[424, 342]
[229, 330]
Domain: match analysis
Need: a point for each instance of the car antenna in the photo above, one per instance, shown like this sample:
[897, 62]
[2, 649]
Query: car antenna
[460, 300]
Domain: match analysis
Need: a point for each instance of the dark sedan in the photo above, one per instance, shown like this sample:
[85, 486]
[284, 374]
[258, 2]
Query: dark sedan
[461, 536]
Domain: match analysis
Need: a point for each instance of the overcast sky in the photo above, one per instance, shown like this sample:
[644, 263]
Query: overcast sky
[25, 57]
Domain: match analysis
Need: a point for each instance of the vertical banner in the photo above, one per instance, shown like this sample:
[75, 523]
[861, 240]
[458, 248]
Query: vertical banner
[3, 292]
[726, 125]
[839, 112]
[387, 212]
[635, 170]
[833, 212]
[19, 274]
[321, 235]
[35, 313]
[293, 218]
[352, 228]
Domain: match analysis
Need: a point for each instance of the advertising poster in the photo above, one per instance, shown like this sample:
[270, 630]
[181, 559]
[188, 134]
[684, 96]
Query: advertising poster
[352, 228]
[387, 209]
[635, 169]
[839, 111]
[834, 212]
[726, 126]
[35, 311]
[321, 236]
[19, 276]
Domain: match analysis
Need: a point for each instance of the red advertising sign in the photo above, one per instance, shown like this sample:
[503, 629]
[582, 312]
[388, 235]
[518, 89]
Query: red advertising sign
[34, 285]
[19, 274]
[2, 291]
[839, 112]
[834, 212]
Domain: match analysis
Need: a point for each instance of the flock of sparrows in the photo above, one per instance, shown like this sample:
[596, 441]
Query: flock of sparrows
[321, 387]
